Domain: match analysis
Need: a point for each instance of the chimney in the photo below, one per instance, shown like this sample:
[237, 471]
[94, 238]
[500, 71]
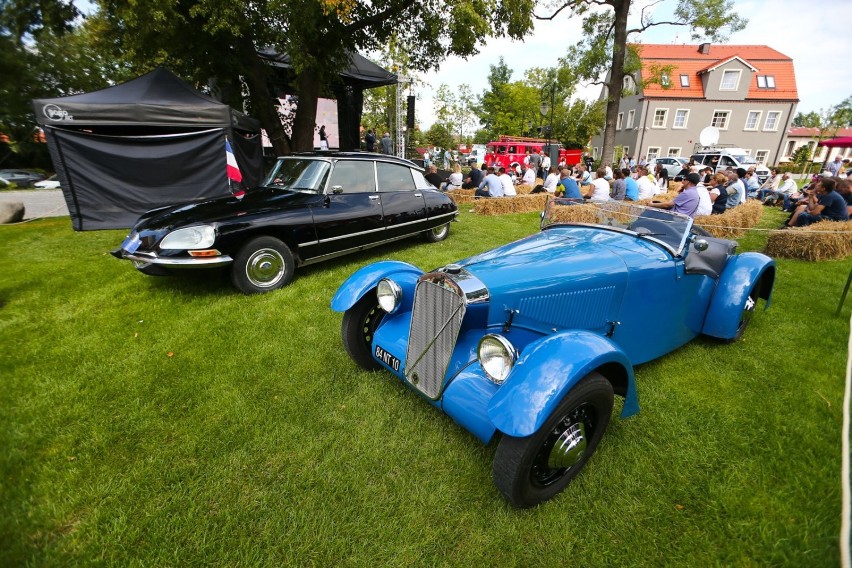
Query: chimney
[704, 48]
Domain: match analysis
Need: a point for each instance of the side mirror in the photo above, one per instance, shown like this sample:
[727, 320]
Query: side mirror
[337, 189]
[700, 245]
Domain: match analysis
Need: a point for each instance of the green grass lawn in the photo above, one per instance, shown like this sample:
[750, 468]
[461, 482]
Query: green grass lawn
[165, 422]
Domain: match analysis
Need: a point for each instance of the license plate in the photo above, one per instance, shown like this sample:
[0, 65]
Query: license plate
[387, 358]
[131, 243]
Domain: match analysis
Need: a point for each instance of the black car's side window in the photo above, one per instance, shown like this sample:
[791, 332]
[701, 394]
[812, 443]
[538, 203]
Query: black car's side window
[394, 178]
[354, 176]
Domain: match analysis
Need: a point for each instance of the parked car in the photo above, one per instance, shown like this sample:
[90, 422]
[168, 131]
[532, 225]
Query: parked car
[50, 183]
[528, 342]
[673, 164]
[21, 178]
[721, 159]
[311, 207]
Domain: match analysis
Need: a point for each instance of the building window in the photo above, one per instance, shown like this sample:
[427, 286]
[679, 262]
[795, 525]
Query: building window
[761, 156]
[630, 115]
[653, 152]
[674, 151]
[680, 118]
[619, 122]
[772, 120]
[752, 120]
[766, 81]
[684, 80]
[791, 147]
[625, 150]
[660, 118]
[664, 80]
[720, 119]
[730, 80]
[595, 151]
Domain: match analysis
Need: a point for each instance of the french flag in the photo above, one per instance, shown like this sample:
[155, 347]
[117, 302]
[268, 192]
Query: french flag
[233, 169]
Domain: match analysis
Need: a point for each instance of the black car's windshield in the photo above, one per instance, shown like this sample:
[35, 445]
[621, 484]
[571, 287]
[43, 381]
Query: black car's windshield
[298, 174]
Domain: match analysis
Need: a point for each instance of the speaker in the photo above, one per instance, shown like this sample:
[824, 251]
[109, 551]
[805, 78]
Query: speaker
[409, 116]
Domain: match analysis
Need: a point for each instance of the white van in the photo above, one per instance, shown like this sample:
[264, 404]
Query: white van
[477, 154]
[720, 159]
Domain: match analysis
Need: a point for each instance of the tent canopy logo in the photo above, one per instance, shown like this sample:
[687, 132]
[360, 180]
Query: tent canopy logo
[54, 112]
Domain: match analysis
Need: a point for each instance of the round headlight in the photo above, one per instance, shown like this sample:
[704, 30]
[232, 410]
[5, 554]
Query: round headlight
[389, 295]
[496, 355]
[198, 237]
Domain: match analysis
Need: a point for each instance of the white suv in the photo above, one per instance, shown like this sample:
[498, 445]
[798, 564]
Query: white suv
[673, 164]
[723, 158]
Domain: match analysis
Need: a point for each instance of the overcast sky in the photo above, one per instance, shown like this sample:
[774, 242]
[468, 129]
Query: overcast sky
[816, 36]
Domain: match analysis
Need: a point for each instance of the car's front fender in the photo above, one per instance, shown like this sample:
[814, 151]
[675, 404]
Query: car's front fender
[547, 369]
[742, 273]
[366, 278]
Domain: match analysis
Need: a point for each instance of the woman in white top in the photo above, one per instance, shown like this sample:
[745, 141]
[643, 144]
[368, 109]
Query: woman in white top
[529, 177]
[647, 188]
[551, 181]
[600, 187]
[455, 180]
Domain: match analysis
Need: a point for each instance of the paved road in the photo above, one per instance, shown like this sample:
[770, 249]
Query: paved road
[38, 203]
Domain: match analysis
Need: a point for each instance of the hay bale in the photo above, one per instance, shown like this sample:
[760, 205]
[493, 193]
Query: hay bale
[733, 223]
[523, 189]
[820, 241]
[674, 186]
[504, 205]
[462, 196]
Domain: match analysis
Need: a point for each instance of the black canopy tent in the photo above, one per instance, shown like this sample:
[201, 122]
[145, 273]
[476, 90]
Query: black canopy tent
[149, 142]
[349, 90]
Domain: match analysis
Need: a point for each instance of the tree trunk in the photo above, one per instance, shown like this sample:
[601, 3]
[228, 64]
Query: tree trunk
[307, 85]
[616, 77]
[263, 102]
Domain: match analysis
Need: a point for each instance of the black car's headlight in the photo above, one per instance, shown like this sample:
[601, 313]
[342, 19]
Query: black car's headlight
[199, 236]
[497, 356]
[389, 294]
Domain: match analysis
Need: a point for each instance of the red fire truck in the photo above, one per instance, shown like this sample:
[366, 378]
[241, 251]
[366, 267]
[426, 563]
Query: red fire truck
[512, 149]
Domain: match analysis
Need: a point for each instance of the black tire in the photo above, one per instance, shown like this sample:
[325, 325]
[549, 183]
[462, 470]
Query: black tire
[528, 471]
[747, 314]
[437, 234]
[262, 265]
[359, 323]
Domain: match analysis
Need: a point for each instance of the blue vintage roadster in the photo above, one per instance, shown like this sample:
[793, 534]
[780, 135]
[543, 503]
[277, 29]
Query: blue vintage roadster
[528, 342]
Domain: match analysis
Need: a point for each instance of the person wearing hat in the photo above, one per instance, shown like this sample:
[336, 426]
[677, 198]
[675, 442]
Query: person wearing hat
[688, 201]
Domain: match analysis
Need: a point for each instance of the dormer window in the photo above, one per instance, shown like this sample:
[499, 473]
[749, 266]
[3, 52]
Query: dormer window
[766, 81]
[730, 80]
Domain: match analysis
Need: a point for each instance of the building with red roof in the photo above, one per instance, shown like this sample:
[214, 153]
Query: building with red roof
[747, 92]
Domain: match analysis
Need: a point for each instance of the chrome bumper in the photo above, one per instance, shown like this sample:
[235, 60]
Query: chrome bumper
[151, 258]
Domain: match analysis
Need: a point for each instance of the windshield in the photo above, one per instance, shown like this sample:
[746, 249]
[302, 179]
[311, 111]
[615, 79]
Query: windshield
[667, 228]
[298, 174]
[743, 159]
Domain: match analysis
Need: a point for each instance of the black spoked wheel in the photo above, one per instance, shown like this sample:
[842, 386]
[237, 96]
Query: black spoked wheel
[747, 313]
[262, 265]
[531, 470]
[359, 323]
[437, 234]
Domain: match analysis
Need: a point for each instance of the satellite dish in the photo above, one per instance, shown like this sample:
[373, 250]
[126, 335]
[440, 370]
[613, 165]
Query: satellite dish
[709, 136]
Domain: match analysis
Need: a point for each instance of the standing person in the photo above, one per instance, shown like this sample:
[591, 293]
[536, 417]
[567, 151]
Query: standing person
[426, 159]
[535, 161]
[448, 159]
[323, 138]
[387, 145]
[834, 167]
[370, 141]
[545, 166]
[589, 162]
[643, 161]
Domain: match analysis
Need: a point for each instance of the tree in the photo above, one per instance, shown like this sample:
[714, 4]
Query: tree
[809, 120]
[439, 136]
[455, 109]
[204, 39]
[606, 33]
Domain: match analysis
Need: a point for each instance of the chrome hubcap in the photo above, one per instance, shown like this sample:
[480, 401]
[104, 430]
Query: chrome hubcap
[440, 231]
[569, 447]
[265, 268]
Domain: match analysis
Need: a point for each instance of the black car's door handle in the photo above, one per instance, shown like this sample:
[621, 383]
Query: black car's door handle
[374, 197]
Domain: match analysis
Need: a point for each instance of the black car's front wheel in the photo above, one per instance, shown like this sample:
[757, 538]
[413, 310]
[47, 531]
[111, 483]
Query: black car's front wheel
[438, 233]
[359, 323]
[533, 469]
[262, 265]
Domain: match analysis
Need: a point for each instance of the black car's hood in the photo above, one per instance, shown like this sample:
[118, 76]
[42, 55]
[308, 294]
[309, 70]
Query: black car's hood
[223, 209]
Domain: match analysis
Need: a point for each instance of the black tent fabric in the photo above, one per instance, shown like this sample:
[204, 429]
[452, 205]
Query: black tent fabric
[146, 143]
[361, 72]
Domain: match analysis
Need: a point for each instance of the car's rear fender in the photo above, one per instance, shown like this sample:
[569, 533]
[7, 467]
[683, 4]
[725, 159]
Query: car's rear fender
[366, 279]
[742, 273]
[545, 372]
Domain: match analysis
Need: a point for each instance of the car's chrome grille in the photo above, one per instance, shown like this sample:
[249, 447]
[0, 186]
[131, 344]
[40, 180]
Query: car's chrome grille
[436, 319]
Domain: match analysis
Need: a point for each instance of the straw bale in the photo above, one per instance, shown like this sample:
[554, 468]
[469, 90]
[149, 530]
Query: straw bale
[820, 241]
[462, 196]
[504, 205]
[523, 189]
[674, 186]
[733, 223]
[586, 213]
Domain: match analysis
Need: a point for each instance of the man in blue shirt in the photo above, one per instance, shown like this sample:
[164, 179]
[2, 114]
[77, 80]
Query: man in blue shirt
[567, 187]
[632, 193]
[824, 204]
[494, 185]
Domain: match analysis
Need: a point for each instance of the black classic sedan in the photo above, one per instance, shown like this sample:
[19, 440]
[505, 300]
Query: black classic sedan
[312, 207]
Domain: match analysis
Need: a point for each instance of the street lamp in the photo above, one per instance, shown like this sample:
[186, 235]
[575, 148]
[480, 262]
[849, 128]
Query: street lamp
[547, 109]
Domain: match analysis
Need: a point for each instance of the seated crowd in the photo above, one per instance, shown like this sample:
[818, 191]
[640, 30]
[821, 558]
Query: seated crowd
[702, 192]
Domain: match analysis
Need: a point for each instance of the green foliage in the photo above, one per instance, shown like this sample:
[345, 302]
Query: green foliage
[807, 120]
[174, 422]
[802, 155]
[438, 135]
